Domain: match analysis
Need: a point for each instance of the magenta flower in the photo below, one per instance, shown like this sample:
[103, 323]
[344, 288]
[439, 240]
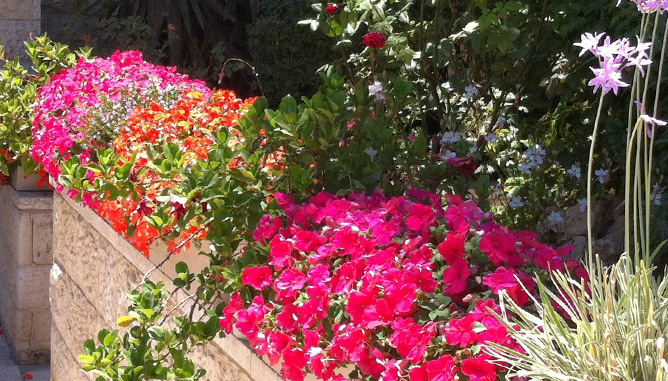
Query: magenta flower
[257, 277]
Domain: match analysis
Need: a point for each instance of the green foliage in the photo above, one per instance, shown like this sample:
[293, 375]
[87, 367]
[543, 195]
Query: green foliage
[502, 68]
[18, 92]
[286, 55]
[147, 350]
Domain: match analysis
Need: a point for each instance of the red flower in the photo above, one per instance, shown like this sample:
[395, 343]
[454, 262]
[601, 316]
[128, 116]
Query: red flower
[499, 245]
[332, 8]
[289, 283]
[441, 369]
[410, 339]
[455, 277]
[452, 249]
[478, 369]
[374, 40]
[236, 304]
[460, 332]
[257, 277]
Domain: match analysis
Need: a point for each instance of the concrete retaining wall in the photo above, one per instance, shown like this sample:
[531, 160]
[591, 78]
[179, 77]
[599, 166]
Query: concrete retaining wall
[93, 270]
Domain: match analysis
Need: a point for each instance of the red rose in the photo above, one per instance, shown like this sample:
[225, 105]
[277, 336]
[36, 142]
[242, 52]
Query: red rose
[332, 8]
[375, 40]
[465, 165]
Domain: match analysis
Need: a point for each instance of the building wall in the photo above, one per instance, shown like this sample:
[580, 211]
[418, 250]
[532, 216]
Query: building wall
[18, 20]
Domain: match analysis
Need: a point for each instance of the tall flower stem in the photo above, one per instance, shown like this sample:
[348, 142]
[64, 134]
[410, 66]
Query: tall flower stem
[590, 171]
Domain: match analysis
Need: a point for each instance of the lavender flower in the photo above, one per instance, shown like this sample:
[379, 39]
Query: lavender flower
[650, 6]
[575, 171]
[555, 217]
[603, 175]
[613, 57]
[583, 204]
[516, 202]
[451, 137]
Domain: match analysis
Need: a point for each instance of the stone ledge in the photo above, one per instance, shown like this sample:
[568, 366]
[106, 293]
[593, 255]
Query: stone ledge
[29, 200]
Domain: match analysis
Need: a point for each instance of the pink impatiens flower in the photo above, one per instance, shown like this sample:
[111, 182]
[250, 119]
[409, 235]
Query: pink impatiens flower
[257, 277]
[512, 282]
[461, 332]
[479, 368]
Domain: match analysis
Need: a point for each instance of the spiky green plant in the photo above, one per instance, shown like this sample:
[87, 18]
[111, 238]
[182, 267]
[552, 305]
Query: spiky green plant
[613, 328]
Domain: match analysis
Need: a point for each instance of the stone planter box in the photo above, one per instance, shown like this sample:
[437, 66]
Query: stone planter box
[93, 270]
[25, 262]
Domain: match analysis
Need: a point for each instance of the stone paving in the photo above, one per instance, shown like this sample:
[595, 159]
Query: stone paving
[11, 371]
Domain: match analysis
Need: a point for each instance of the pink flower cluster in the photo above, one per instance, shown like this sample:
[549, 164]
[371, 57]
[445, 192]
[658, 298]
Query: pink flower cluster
[86, 106]
[650, 6]
[613, 57]
[397, 288]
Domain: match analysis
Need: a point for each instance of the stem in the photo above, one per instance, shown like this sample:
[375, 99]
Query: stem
[590, 168]
[650, 163]
[627, 190]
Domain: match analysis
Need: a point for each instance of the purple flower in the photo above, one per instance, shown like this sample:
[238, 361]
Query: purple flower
[613, 57]
[607, 77]
[650, 6]
[649, 120]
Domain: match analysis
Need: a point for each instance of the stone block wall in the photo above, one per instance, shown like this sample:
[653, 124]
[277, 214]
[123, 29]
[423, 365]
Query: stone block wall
[18, 19]
[25, 262]
[93, 270]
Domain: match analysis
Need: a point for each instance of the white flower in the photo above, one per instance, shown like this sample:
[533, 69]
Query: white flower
[174, 199]
[556, 217]
[491, 139]
[471, 91]
[371, 152]
[650, 120]
[583, 204]
[575, 171]
[314, 351]
[451, 137]
[603, 175]
[516, 202]
[376, 90]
